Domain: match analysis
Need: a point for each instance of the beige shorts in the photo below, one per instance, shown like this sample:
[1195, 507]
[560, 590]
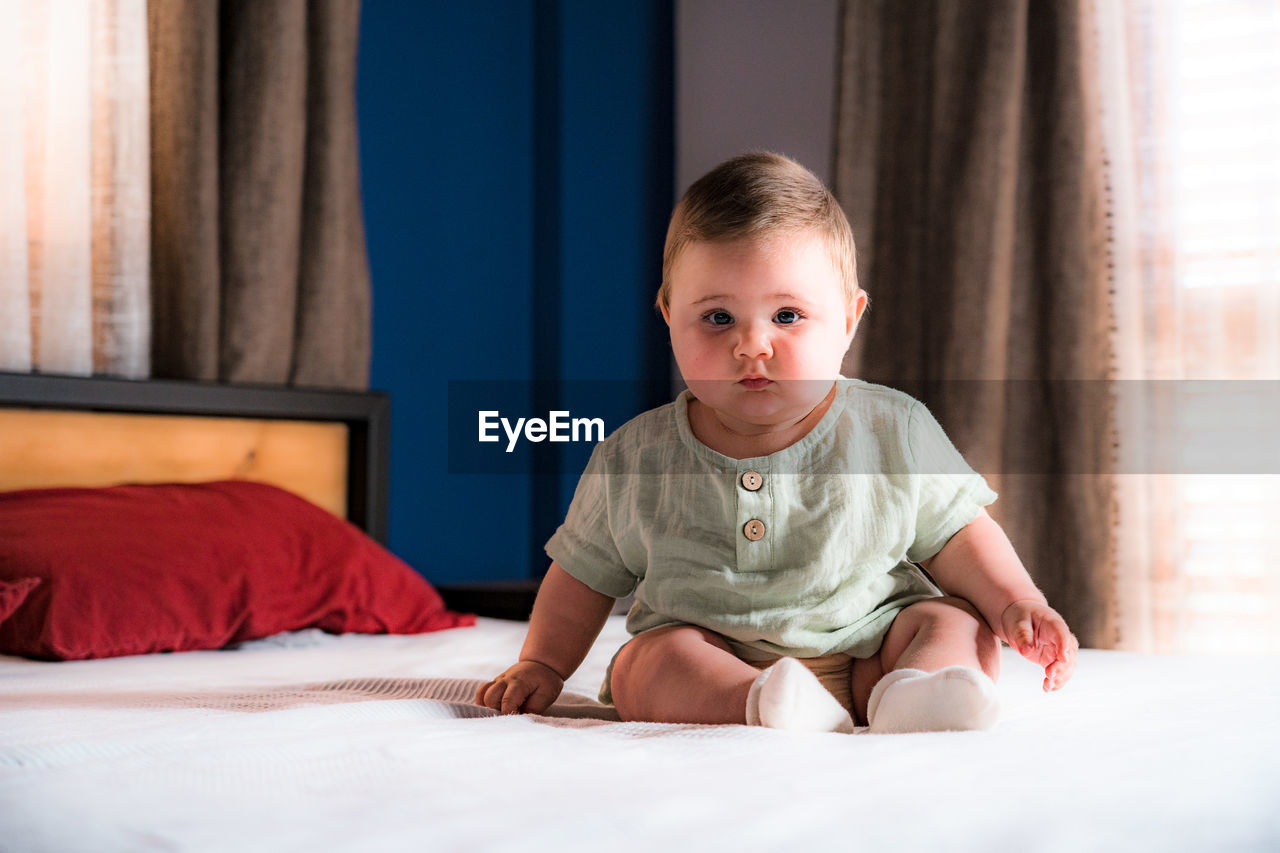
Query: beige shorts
[834, 671]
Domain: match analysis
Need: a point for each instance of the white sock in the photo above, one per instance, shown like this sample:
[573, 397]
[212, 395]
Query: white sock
[788, 696]
[957, 698]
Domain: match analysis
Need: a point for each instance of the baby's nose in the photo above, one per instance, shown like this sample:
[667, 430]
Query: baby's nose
[754, 342]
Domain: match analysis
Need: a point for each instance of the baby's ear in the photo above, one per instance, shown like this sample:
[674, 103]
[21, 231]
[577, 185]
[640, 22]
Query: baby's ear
[854, 313]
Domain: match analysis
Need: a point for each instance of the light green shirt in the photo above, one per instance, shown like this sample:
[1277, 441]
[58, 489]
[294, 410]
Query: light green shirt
[845, 511]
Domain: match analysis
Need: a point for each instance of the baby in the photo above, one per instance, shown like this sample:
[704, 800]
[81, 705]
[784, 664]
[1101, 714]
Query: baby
[773, 519]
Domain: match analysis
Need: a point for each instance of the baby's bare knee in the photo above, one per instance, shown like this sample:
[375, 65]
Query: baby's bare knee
[646, 653]
[955, 618]
[964, 618]
[648, 658]
[631, 655]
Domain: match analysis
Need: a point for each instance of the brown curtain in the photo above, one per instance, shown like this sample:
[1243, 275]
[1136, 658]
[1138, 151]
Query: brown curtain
[969, 159]
[258, 252]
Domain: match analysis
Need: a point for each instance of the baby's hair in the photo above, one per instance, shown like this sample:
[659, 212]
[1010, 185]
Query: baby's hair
[758, 195]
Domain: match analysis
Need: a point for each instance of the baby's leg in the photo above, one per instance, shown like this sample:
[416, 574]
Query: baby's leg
[939, 661]
[686, 674]
[937, 633]
[681, 674]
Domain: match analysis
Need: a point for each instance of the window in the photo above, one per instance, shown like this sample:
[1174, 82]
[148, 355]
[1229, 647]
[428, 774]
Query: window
[1191, 116]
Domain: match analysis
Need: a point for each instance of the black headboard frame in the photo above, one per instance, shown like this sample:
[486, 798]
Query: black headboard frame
[367, 415]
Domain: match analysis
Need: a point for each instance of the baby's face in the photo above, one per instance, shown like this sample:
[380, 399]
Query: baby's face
[759, 329]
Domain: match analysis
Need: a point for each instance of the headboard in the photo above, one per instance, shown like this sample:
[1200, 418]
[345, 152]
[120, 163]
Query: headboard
[331, 447]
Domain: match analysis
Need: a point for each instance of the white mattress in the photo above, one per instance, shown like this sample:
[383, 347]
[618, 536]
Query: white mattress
[314, 742]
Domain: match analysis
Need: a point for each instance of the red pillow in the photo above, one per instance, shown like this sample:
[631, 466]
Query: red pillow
[91, 573]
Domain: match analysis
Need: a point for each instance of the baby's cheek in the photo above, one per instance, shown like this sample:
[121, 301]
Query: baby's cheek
[693, 362]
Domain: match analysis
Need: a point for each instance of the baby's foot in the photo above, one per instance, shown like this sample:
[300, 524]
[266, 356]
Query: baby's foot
[788, 696]
[957, 698]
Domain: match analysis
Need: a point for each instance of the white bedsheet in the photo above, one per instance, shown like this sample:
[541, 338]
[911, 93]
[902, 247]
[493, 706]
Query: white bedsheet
[314, 742]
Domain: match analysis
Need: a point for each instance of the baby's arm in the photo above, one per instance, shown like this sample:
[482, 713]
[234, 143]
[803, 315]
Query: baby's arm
[980, 565]
[567, 618]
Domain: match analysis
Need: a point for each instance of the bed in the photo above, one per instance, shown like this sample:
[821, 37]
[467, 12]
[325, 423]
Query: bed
[311, 739]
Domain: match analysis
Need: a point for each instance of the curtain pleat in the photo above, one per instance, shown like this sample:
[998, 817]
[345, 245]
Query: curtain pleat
[261, 272]
[332, 327]
[969, 159]
[262, 145]
[186, 290]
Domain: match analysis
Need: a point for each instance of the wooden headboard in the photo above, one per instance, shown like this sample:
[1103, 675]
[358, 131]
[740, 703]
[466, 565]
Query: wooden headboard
[330, 447]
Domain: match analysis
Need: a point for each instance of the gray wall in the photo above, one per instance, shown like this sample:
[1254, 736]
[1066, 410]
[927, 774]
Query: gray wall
[754, 74]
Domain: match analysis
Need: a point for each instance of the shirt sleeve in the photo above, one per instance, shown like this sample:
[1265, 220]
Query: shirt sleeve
[584, 545]
[950, 493]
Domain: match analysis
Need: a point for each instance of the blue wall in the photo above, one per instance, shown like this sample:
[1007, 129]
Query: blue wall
[516, 166]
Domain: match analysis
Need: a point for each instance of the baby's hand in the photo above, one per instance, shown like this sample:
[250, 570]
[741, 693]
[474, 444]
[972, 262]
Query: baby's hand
[527, 687]
[1041, 636]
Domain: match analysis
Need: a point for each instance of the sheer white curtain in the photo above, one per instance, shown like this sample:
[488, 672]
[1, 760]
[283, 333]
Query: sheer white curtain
[74, 187]
[1191, 106]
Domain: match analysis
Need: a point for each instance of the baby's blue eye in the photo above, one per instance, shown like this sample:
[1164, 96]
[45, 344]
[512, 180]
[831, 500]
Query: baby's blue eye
[786, 317]
[720, 318]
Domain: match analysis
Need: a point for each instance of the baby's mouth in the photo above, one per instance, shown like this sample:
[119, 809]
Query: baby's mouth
[754, 383]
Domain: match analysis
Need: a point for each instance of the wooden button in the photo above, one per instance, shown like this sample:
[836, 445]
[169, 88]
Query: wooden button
[754, 530]
[751, 481]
